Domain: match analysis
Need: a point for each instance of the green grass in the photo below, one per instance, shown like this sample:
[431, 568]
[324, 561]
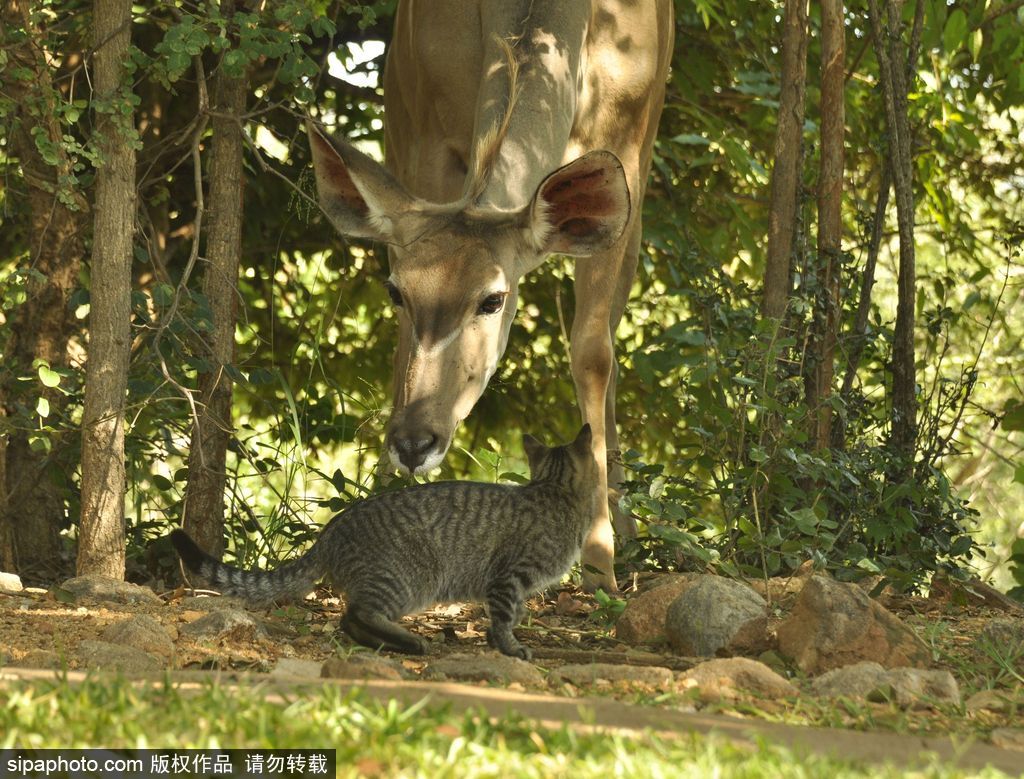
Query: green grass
[387, 739]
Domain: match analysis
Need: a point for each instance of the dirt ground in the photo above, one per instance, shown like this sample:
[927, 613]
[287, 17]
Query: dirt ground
[563, 627]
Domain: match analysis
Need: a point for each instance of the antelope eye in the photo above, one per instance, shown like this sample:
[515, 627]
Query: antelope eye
[393, 293]
[492, 304]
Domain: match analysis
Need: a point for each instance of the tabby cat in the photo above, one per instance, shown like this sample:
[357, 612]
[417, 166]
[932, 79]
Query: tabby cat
[399, 552]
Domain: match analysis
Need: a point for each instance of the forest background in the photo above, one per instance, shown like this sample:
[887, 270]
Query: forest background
[819, 360]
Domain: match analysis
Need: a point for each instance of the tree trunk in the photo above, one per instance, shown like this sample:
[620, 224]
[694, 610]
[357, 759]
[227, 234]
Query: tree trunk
[32, 504]
[894, 89]
[204, 495]
[786, 173]
[101, 535]
[830, 222]
[860, 323]
[858, 336]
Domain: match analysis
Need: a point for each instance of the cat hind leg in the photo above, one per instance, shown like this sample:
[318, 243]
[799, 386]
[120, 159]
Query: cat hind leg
[373, 629]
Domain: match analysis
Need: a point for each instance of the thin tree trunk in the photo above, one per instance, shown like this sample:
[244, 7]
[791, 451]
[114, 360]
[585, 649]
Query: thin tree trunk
[860, 323]
[786, 170]
[860, 326]
[830, 222]
[101, 534]
[894, 88]
[32, 504]
[204, 494]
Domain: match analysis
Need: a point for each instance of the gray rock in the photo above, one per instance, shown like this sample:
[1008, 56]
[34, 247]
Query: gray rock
[360, 665]
[643, 619]
[920, 687]
[729, 678]
[1008, 738]
[106, 590]
[485, 668]
[1004, 633]
[103, 655]
[852, 681]
[212, 602]
[595, 673]
[295, 668]
[778, 589]
[834, 624]
[992, 700]
[142, 632]
[42, 658]
[10, 583]
[715, 615]
[906, 687]
[224, 623]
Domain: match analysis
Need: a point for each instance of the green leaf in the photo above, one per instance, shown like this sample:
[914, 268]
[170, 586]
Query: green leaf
[43, 407]
[1013, 418]
[689, 139]
[1018, 474]
[163, 294]
[48, 376]
[953, 37]
[974, 42]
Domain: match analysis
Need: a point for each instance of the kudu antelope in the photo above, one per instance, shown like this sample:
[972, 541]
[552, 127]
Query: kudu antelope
[515, 129]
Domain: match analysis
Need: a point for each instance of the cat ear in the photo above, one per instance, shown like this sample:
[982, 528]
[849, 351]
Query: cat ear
[584, 439]
[533, 448]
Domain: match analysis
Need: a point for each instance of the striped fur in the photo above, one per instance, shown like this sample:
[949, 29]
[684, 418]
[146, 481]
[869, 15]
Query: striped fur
[399, 552]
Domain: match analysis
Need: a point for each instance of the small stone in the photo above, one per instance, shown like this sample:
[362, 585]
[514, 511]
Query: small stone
[360, 666]
[212, 603]
[486, 668]
[225, 623]
[643, 619]
[920, 687]
[728, 678]
[834, 624]
[10, 583]
[855, 681]
[592, 673]
[1005, 633]
[42, 658]
[1008, 738]
[142, 632]
[717, 615]
[103, 589]
[906, 687]
[778, 589]
[990, 700]
[103, 655]
[291, 668]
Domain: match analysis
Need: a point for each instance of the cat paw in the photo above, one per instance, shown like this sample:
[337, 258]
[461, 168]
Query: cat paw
[419, 647]
[519, 651]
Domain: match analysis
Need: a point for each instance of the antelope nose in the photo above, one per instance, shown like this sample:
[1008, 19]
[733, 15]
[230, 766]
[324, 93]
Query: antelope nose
[414, 446]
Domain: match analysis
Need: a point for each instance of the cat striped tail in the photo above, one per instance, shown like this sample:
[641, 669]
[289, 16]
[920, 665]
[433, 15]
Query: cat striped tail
[290, 580]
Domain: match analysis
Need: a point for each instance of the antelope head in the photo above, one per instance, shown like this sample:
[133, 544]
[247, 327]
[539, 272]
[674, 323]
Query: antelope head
[455, 271]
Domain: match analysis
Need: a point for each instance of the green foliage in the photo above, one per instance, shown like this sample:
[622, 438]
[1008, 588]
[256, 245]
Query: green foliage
[711, 399]
[742, 491]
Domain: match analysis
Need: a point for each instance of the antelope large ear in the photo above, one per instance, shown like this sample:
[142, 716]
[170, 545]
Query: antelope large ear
[581, 208]
[361, 198]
